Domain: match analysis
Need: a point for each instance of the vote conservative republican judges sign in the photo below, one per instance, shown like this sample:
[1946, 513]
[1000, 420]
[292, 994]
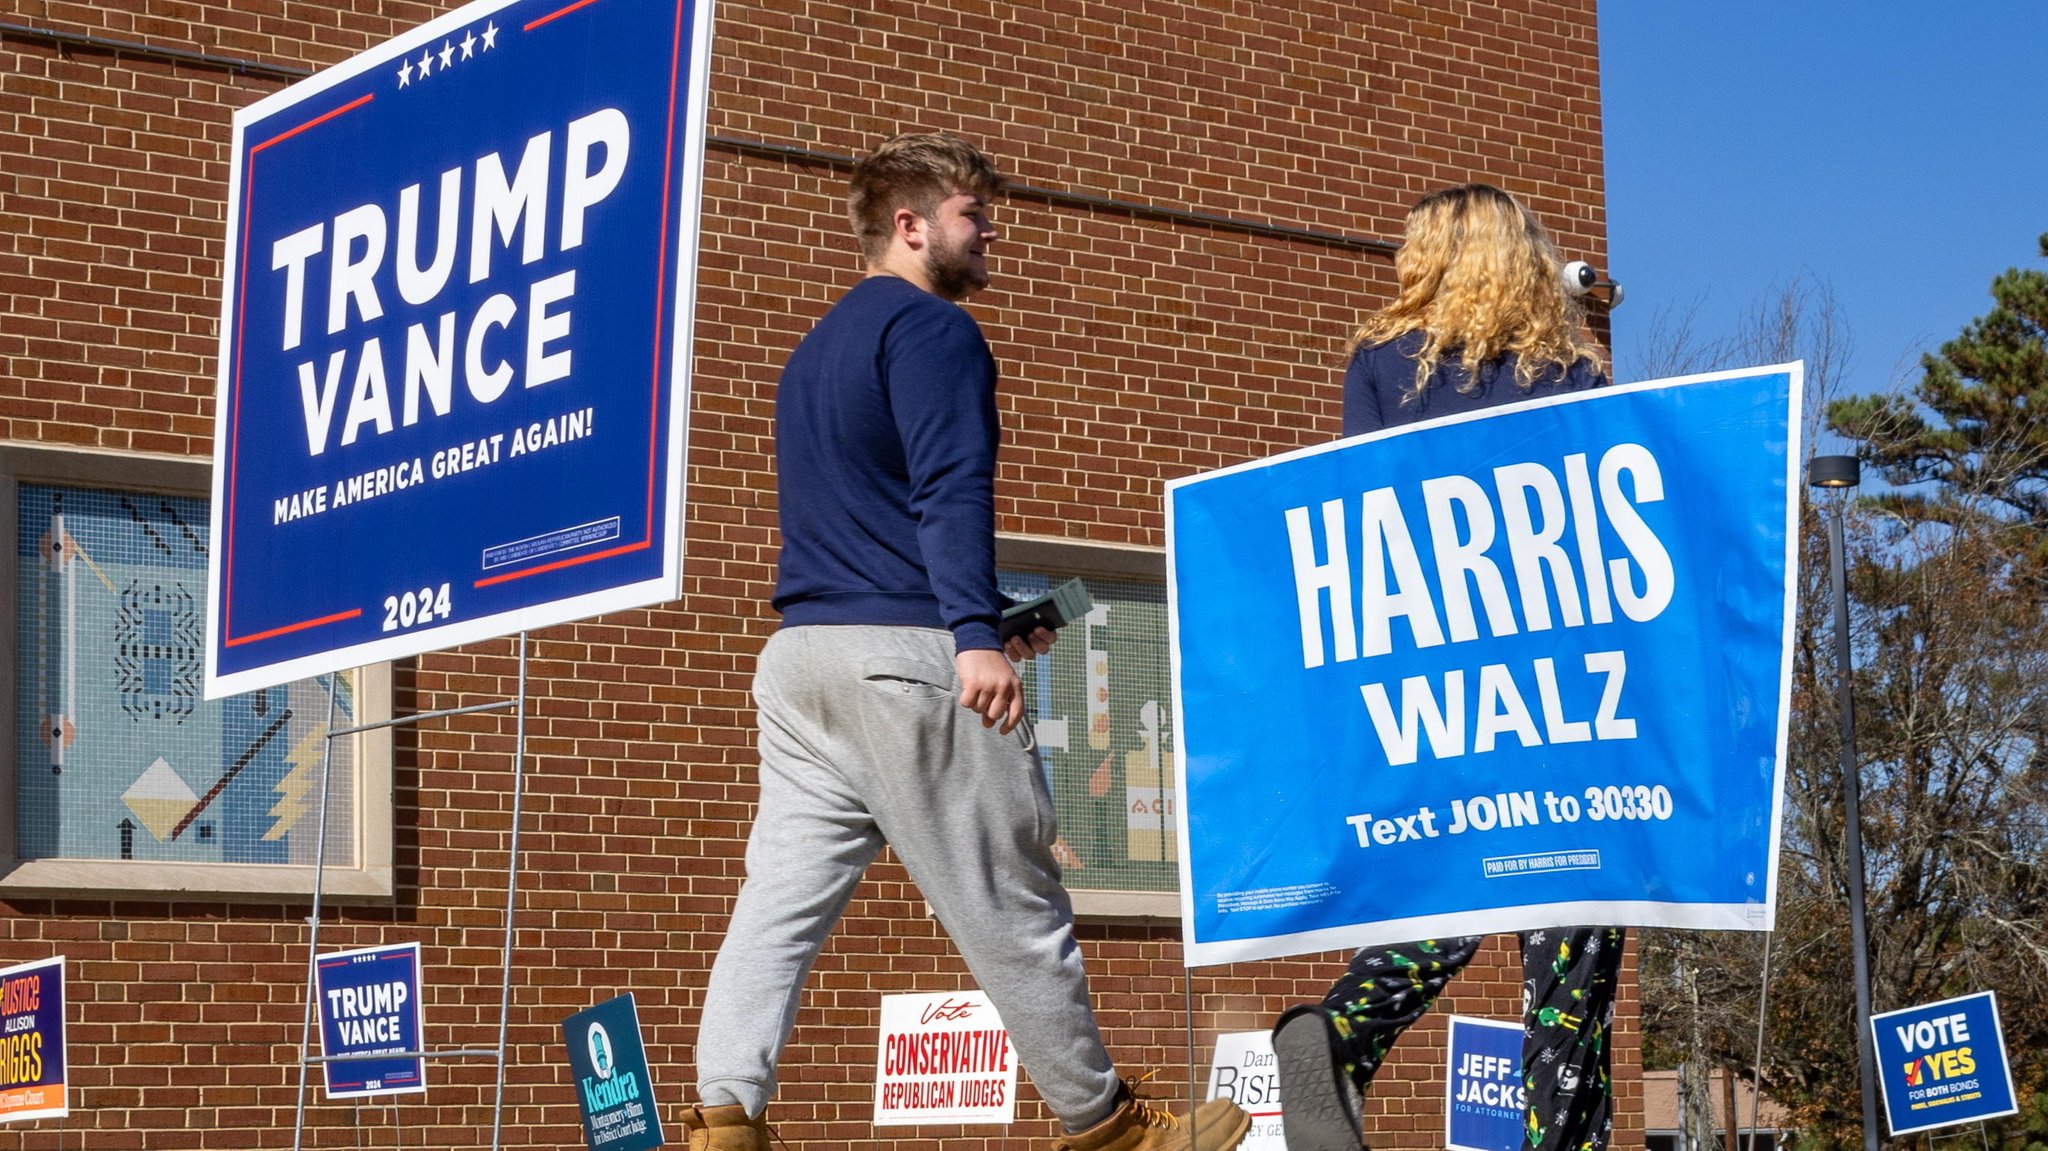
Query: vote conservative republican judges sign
[1522, 668]
[454, 339]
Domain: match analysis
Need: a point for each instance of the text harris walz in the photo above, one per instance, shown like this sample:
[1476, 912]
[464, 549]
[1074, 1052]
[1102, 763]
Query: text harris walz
[1527, 512]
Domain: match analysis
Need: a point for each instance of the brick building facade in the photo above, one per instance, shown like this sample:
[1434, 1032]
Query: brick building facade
[1202, 193]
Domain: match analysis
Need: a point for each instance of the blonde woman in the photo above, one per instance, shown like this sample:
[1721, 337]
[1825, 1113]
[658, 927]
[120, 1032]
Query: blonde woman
[1480, 318]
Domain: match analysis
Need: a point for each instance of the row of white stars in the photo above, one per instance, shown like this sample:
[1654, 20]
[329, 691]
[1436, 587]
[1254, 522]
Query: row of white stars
[426, 63]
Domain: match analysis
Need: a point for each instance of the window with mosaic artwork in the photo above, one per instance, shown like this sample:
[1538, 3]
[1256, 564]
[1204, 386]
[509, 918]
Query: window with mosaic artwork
[123, 776]
[1101, 704]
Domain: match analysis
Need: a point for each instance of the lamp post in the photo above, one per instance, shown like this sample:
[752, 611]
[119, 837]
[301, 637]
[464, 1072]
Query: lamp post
[1839, 474]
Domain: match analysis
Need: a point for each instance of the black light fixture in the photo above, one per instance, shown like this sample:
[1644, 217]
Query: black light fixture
[1838, 474]
[1834, 471]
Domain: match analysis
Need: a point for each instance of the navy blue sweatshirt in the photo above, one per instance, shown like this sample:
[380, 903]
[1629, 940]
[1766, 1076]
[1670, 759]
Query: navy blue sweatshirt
[1380, 380]
[885, 449]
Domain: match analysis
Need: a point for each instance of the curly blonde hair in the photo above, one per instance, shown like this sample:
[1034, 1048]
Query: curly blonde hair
[1479, 277]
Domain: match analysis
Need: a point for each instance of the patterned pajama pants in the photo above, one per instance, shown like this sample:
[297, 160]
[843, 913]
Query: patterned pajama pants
[1569, 978]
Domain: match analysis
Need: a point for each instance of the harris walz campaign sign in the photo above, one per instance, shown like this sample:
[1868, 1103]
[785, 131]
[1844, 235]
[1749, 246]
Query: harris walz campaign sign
[1517, 669]
[455, 330]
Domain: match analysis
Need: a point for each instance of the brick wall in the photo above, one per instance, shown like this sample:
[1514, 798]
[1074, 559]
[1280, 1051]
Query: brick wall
[1135, 347]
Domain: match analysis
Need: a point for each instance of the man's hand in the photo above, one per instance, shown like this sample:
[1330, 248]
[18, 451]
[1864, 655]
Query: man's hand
[1023, 647]
[989, 687]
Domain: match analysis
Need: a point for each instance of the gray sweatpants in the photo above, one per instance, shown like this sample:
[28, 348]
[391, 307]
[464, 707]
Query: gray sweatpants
[863, 741]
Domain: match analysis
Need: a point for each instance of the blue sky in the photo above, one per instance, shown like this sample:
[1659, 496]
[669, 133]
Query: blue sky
[1893, 153]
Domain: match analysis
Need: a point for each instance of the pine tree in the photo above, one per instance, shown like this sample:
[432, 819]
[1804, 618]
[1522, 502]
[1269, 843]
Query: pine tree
[1986, 445]
[1949, 577]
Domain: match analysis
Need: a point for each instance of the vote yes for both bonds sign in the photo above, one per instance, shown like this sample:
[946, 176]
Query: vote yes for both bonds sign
[455, 329]
[1942, 1064]
[1523, 668]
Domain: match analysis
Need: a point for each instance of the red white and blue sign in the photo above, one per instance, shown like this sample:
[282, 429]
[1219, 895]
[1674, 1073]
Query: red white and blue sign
[455, 337]
[369, 1005]
[1941, 1064]
[1525, 667]
[1484, 1103]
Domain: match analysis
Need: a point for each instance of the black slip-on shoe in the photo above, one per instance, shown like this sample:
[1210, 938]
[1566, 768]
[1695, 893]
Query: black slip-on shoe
[1319, 1105]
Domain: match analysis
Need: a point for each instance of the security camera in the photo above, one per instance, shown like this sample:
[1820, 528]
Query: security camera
[1579, 277]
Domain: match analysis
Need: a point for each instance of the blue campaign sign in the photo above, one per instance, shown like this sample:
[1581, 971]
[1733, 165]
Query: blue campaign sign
[1943, 1063]
[1524, 668]
[1483, 1098]
[369, 1005]
[455, 336]
[609, 1067]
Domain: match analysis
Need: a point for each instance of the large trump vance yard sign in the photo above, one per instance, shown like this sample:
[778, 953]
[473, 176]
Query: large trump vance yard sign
[455, 336]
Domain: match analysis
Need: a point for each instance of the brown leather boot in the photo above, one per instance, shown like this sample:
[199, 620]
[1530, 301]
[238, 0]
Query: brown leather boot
[724, 1129]
[1135, 1125]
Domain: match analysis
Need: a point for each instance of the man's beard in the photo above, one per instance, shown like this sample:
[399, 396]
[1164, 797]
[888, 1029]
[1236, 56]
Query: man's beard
[953, 273]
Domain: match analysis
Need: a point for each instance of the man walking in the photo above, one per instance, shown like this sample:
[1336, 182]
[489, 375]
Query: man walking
[889, 710]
